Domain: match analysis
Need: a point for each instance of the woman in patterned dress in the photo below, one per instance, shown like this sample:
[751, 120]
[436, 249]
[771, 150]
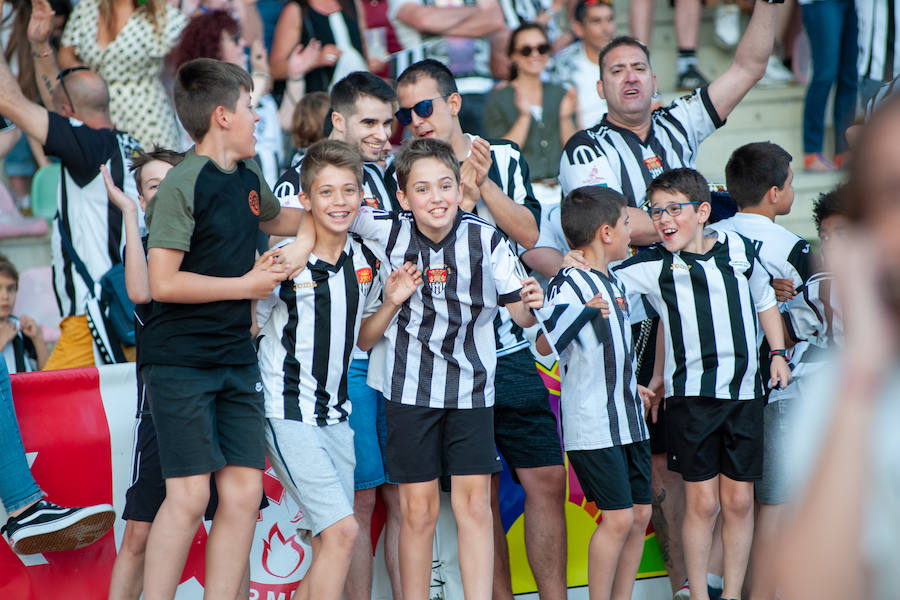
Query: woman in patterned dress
[125, 41]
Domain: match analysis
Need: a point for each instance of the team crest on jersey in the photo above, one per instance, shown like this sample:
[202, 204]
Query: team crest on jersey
[371, 202]
[621, 302]
[437, 280]
[253, 200]
[364, 277]
[654, 165]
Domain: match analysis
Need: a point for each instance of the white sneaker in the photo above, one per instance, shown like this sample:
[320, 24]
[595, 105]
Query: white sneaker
[776, 73]
[727, 26]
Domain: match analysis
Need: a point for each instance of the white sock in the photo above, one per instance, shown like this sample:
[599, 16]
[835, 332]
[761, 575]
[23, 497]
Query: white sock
[714, 581]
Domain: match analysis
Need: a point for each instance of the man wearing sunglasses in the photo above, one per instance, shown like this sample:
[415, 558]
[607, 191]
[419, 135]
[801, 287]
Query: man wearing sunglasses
[497, 188]
[82, 136]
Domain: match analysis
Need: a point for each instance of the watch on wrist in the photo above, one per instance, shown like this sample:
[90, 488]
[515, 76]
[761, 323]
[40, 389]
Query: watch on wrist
[780, 352]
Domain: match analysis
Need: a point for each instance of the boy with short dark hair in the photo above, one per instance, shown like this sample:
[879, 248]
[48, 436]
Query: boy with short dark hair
[309, 330]
[603, 426]
[759, 179]
[438, 372]
[708, 289]
[199, 362]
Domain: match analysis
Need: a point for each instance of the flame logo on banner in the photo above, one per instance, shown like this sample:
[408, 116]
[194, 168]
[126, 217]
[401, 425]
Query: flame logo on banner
[277, 551]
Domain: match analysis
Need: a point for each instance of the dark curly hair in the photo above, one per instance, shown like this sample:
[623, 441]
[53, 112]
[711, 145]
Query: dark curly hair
[202, 37]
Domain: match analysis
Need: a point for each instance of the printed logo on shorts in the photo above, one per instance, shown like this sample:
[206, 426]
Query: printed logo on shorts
[437, 280]
[253, 200]
[258, 386]
[364, 277]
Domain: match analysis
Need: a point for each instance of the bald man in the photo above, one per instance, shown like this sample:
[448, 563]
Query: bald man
[87, 234]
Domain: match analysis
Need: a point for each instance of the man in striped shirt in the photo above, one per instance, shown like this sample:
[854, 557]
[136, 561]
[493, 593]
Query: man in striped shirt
[633, 144]
[711, 366]
[308, 437]
[498, 189]
[878, 60]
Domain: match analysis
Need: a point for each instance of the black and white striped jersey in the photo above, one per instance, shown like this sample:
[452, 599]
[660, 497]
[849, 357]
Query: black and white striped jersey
[92, 222]
[308, 331]
[708, 305]
[377, 193]
[509, 172]
[616, 157]
[815, 314]
[784, 255]
[879, 39]
[440, 349]
[20, 354]
[600, 406]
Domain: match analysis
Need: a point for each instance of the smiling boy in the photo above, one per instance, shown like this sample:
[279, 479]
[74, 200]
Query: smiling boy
[708, 289]
[437, 373]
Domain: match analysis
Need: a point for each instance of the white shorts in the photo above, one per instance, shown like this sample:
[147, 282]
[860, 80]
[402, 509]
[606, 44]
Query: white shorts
[315, 465]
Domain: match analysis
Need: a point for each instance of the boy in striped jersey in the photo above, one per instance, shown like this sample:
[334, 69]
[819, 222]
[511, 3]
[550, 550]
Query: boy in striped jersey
[309, 329]
[759, 179]
[437, 372]
[603, 426]
[708, 289]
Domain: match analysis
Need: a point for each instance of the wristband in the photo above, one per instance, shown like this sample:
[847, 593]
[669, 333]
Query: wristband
[260, 74]
[780, 352]
[42, 54]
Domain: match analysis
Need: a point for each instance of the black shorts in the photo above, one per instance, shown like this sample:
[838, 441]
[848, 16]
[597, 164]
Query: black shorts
[424, 443]
[148, 487]
[207, 418]
[525, 428]
[708, 436]
[614, 478]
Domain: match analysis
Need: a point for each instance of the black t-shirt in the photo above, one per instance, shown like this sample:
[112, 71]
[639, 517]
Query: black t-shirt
[213, 217]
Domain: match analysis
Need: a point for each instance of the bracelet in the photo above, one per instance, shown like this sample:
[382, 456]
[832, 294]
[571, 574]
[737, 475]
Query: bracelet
[260, 74]
[780, 352]
[296, 79]
[774, 1]
[44, 54]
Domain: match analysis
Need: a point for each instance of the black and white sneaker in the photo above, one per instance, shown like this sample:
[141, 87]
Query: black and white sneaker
[691, 79]
[46, 527]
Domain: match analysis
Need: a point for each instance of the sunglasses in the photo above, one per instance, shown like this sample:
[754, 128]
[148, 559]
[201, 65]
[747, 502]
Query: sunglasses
[62, 81]
[424, 109]
[541, 49]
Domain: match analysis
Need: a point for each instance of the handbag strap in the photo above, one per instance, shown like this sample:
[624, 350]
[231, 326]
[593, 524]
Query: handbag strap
[69, 251]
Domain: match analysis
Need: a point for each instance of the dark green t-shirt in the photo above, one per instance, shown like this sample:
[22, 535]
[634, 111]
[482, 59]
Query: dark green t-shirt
[213, 217]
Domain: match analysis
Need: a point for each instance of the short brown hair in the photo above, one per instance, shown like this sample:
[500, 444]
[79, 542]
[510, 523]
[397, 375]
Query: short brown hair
[333, 153]
[203, 84]
[308, 120]
[8, 269]
[688, 182]
[622, 40]
[586, 209]
[142, 158]
[414, 150]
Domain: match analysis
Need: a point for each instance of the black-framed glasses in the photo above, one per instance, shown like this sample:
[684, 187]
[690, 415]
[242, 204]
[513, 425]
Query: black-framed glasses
[423, 108]
[62, 81]
[673, 209]
[542, 49]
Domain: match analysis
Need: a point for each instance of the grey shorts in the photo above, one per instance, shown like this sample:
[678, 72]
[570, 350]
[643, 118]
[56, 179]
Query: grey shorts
[315, 465]
[779, 423]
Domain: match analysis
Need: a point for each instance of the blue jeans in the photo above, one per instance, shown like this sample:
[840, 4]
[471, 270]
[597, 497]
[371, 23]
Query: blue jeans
[832, 29]
[369, 428]
[17, 487]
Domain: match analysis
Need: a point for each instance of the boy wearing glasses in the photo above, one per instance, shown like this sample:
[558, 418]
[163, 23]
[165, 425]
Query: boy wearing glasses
[708, 288]
[497, 188]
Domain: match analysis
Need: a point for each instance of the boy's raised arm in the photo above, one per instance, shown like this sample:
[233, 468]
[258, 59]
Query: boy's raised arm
[137, 280]
[170, 284]
[400, 285]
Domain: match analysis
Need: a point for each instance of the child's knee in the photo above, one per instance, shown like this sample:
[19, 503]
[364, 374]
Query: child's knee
[738, 500]
[473, 506]
[134, 540]
[705, 505]
[364, 502]
[420, 512]
[618, 522]
[341, 535]
[188, 495]
[642, 514]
